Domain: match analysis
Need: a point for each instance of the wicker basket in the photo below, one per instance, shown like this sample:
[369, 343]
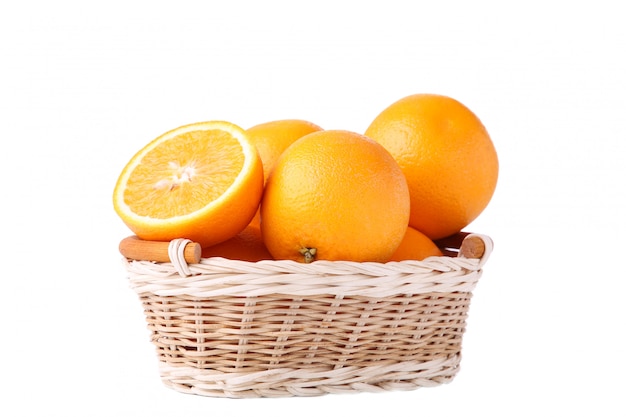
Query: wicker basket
[227, 328]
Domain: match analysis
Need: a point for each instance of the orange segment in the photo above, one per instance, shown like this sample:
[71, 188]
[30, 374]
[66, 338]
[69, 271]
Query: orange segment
[201, 181]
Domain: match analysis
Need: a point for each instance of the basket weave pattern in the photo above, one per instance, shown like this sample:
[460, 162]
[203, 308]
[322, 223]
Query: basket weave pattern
[279, 328]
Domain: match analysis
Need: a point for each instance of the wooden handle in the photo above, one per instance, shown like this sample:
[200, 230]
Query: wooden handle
[462, 244]
[146, 250]
[472, 247]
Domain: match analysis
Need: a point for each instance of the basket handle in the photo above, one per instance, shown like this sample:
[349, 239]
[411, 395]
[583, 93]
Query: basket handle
[475, 246]
[145, 250]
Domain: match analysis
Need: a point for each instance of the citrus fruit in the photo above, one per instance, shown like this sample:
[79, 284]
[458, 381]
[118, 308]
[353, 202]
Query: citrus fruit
[256, 220]
[415, 246]
[447, 157]
[201, 181]
[335, 195]
[272, 138]
[247, 245]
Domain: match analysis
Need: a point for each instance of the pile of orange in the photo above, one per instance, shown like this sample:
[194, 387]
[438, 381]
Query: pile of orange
[423, 170]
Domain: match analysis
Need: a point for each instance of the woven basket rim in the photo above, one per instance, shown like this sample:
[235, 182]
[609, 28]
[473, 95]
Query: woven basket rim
[452, 245]
[220, 276]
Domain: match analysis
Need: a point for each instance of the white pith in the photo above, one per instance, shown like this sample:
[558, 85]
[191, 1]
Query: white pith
[180, 175]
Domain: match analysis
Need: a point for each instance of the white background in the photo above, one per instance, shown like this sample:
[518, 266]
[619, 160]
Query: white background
[84, 85]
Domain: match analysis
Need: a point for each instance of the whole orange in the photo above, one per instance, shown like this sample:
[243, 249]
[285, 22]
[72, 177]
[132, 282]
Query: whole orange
[415, 246]
[273, 137]
[335, 195]
[247, 245]
[447, 157]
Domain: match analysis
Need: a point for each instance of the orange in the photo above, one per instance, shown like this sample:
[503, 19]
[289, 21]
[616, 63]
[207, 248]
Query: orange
[447, 157]
[247, 245]
[415, 246]
[335, 195]
[256, 220]
[272, 138]
[201, 181]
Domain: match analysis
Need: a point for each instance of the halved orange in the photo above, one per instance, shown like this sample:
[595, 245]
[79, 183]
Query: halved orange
[201, 181]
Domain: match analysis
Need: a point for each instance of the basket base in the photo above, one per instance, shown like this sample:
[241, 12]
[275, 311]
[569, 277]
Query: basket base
[286, 382]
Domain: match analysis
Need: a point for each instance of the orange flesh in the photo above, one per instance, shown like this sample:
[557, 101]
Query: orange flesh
[184, 175]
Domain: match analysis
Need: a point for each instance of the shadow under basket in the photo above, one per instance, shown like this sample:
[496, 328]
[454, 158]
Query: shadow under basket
[227, 328]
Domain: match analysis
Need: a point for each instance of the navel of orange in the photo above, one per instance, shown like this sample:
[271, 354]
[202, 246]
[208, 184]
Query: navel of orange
[201, 181]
